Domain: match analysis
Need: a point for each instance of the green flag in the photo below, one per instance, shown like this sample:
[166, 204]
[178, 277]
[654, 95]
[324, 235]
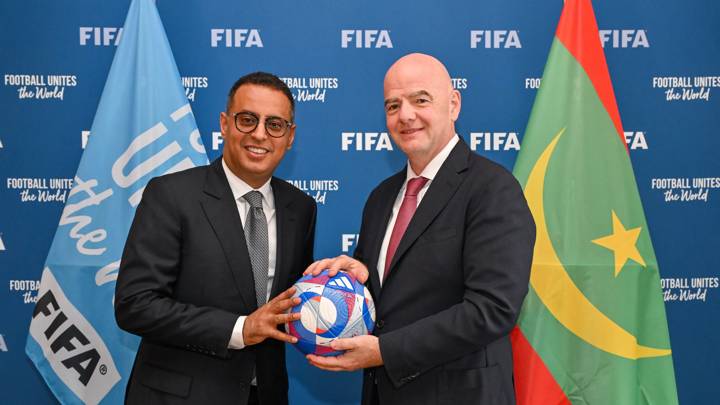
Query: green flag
[593, 328]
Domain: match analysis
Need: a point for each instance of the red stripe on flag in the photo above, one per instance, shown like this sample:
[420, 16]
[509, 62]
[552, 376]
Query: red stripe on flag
[578, 31]
[534, 385]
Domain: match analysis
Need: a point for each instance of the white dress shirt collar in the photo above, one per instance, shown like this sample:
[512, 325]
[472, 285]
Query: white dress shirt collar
[239, 188]
[430, 171]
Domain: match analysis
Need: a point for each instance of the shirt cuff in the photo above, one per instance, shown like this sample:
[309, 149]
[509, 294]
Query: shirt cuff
[236, 339]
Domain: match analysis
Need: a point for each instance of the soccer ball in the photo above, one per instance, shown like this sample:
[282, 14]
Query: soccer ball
[330, 308]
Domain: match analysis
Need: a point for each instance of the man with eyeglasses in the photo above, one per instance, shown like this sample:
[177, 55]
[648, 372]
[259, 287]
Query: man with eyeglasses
[211, 253]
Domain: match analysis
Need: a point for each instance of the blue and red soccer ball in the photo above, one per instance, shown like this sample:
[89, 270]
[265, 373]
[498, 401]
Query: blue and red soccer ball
[331, 308]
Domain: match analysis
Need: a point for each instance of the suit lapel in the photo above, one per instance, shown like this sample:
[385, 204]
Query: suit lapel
[442, 188]
[221, 211]
[386, 201]
[284, 219]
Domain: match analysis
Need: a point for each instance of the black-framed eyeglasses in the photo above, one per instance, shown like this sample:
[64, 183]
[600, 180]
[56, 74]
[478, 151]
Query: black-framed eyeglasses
[246, 122]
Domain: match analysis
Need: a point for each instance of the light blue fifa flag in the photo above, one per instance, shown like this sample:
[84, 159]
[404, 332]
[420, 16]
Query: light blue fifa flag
[143, 128]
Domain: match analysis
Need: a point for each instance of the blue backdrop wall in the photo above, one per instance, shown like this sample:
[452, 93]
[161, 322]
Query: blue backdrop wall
[663, 56]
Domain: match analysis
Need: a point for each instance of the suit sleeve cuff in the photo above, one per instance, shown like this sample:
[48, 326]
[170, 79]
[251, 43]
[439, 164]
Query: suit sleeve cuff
[395, 361]
[236, 339]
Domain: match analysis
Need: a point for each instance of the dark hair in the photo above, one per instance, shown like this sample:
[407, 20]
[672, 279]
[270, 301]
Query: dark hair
[266, 80]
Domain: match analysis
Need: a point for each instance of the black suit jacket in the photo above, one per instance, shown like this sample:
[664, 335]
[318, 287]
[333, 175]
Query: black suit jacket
[454, 288]
[185, 277]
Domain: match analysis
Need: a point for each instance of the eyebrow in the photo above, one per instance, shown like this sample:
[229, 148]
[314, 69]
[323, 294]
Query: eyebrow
[421, 93]
[411, 95]
[256, 115]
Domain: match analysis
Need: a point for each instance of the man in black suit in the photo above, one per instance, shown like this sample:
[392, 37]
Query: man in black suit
[208, 250]
[448, 241]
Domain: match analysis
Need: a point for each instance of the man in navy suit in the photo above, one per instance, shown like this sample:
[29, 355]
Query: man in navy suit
[448, 242]
[206, 293]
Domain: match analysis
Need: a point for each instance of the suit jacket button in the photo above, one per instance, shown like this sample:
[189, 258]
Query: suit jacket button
[380, 323]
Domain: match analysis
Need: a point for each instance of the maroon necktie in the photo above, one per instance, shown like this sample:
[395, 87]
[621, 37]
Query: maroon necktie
[407, 209]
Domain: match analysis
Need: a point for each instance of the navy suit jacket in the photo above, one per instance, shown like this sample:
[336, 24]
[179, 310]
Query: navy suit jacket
[455, 286]
[185, 277]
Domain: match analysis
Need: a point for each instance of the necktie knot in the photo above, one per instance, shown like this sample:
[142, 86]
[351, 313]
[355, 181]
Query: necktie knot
[254, 198]
[415, 185]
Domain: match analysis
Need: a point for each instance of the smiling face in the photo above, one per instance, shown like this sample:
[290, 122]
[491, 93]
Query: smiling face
[254, 156]
[420, 107]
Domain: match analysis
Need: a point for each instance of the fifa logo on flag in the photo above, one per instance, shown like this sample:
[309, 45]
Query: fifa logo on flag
[366, 38]
[76, 351]
[100, 36]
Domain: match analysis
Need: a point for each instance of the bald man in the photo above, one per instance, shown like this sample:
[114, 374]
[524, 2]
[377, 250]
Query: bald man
[448, 243]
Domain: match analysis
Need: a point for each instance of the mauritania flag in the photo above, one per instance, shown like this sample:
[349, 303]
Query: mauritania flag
[593, 327]
[143, 127]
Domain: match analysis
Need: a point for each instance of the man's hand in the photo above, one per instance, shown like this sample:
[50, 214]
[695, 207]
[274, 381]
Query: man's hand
[361, 352]
[335, 264]
[262, 323]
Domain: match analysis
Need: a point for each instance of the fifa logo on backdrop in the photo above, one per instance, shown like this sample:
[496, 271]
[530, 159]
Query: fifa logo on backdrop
[365, 141]
[217, 140]
[495, 39]
[349, 240]
[494, 141]
[235, 38]
[636, 140]
[365, 39]
[100, 36]
[624, 38]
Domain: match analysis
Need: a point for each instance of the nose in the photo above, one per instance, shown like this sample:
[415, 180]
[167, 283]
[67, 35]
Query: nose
[406, 112]
[260, 133]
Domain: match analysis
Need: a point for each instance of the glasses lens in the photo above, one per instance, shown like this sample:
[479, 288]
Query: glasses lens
[276, 126]
[246, 122]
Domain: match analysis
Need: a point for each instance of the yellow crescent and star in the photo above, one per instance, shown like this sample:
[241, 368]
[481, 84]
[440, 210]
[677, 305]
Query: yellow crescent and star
[557, 290]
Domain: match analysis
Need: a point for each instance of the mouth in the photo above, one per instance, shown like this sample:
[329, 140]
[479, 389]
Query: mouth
[257, 150]
[410, 131]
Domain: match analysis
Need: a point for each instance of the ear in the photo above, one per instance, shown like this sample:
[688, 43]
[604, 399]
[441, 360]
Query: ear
[455, 103]
[291, 137]
[224, 121]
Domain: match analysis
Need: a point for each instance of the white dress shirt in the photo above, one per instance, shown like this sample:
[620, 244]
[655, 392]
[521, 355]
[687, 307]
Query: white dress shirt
[239, 188]
[429, 173]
